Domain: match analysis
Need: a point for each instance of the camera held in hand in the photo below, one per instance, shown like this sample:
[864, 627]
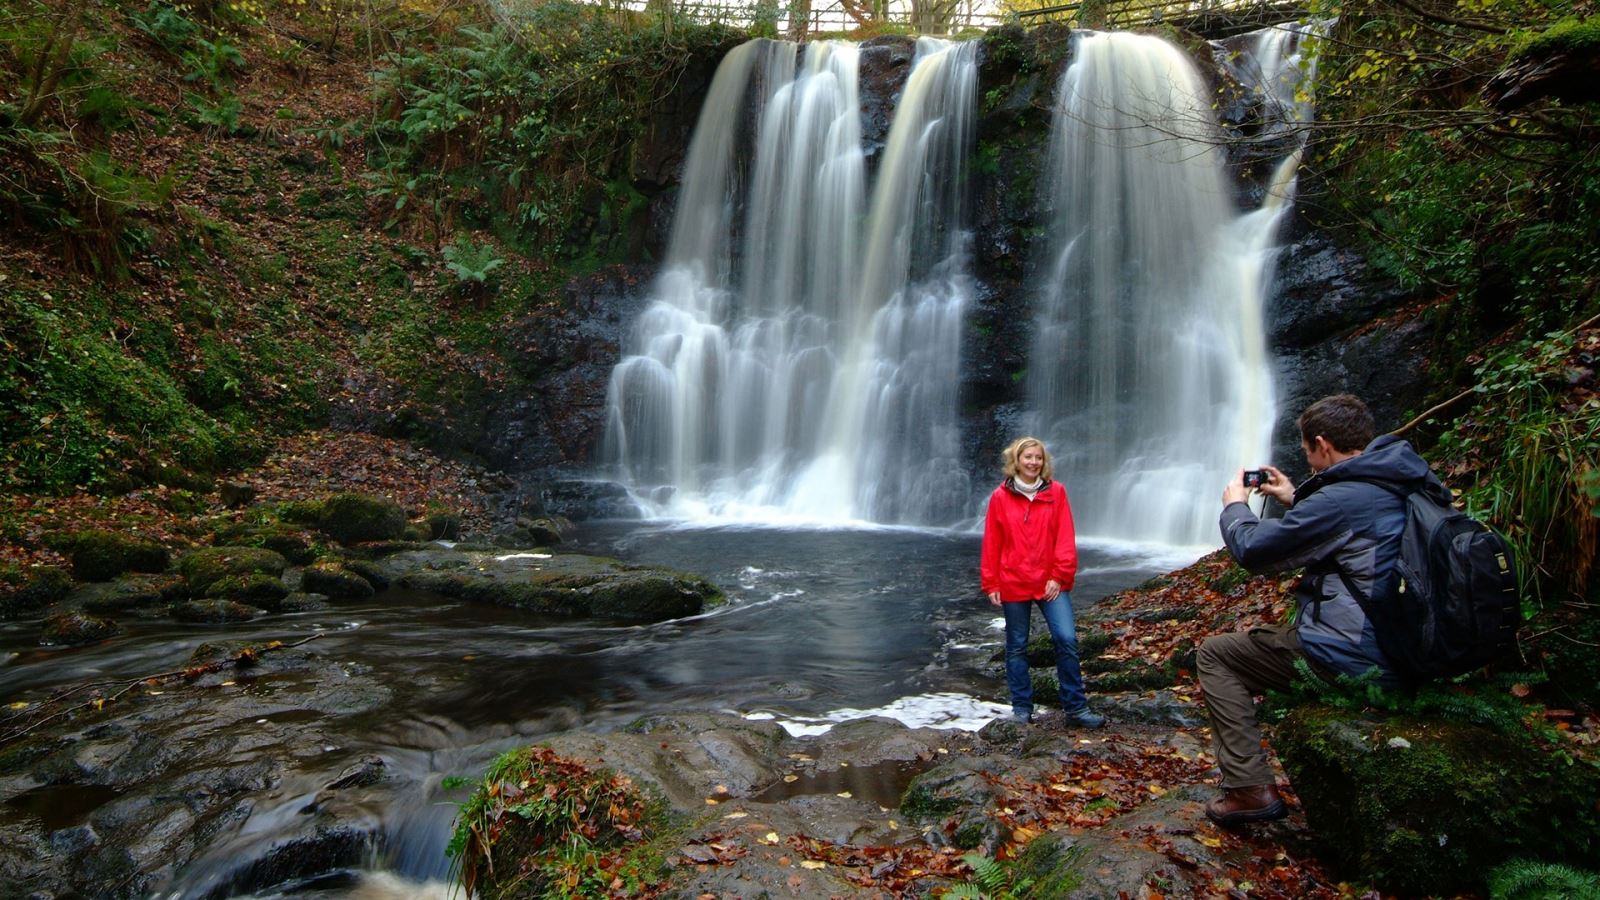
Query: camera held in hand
[1254, 478]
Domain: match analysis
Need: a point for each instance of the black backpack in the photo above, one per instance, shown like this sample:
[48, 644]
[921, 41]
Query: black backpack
[1453, 605]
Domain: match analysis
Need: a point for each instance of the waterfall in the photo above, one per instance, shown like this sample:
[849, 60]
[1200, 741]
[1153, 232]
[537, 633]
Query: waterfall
[799, 358]
[1149, 373]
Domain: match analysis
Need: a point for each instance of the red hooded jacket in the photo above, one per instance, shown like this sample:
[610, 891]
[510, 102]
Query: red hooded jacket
[1028, 542]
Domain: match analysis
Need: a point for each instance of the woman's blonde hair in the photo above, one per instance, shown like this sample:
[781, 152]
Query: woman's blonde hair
[1010, 455]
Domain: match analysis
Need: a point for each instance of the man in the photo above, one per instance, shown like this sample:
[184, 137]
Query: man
[1344, 531]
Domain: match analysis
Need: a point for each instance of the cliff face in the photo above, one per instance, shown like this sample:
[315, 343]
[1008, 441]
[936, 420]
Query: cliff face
[1334, 324]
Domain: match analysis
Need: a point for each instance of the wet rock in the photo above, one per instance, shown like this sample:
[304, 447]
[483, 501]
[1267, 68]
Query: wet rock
[583, 500]
[300, 601]
[71, 628]
[443, 526]
[334, 581]
[25, 591]
[556, 584]
[130, 592]
[203, 568]
[214, 612]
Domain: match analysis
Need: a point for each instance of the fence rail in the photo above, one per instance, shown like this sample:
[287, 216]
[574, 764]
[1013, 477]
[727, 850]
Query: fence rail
[1212, 18]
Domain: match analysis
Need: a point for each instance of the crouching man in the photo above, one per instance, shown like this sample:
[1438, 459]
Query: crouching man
[1344, 530]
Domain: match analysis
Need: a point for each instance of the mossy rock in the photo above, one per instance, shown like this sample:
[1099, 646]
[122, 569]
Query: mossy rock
[26, 591]
[103, 555]
[74, 627]
[443, 525]
[203, 568]
[334, 581]
[369, 570]
[301, 601]
[130, 592]
[1425, 806]
[561, 584]
[295, 544]
[254, 589]
[352, 518]
[214, 612]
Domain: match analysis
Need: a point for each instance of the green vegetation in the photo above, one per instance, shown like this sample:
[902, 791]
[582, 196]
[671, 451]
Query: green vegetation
[541, 825]
[527, 128]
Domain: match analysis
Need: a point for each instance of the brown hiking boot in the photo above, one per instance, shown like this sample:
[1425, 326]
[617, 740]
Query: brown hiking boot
[1256, 803]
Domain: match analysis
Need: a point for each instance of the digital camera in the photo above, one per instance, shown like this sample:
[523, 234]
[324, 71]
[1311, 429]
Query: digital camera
[1255, 477]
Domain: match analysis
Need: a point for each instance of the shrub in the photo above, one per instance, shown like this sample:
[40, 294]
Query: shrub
[554, 827]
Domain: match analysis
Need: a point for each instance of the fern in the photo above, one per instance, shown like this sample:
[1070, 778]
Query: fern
[991, 880]
[1522, 879]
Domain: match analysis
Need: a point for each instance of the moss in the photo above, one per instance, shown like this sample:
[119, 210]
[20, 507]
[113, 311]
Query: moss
[1430, 806]
[254, 589]
[1576, 36]
[102, 555]
[204, 567]
[1055, 866]
[24, 591]
[295, 545]
[925, 800]
[351, 518]
[335, 581]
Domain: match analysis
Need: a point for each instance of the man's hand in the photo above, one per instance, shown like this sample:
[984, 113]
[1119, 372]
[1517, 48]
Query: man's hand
[994, 598]
[1052, 589]
[1278, 486]
[1235, 492]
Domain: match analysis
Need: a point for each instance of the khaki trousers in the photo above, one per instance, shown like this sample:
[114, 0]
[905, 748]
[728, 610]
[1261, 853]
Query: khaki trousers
[1233, 669]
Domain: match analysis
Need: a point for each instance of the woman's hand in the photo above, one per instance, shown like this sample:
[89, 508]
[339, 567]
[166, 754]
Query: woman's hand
[994, 598]
[1052, 589]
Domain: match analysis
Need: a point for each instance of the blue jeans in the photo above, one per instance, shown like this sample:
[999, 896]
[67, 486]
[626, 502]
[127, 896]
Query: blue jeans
[1058, 618]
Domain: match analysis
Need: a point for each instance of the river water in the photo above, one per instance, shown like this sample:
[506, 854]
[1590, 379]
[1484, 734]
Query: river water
[822, 626]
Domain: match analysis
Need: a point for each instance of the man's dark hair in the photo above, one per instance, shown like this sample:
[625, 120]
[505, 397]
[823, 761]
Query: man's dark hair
[1342, 419]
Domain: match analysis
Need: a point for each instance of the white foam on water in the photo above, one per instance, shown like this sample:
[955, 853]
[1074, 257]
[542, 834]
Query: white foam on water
[522, 556]
[944, 711]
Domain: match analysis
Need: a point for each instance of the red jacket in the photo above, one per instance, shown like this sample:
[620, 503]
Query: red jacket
[1028, 542]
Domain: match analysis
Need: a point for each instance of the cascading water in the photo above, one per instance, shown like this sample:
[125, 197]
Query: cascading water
[1149, 372]
[813, 374]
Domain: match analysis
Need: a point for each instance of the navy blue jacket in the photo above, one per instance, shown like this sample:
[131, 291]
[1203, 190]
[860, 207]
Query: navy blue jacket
[1337, 525]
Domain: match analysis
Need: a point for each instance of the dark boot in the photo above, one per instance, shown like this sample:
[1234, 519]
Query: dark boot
[1256, 803]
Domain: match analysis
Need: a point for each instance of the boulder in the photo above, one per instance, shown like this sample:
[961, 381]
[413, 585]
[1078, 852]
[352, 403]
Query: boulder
[25, 591]
[203, 568]
[1429, 806]
[295, 544]
[237, 494]
[351, 518]
[333, 580]
[556, 584]
[255, 589]
[102, 555]
[130, 592]
[214, 612]
[70, 628]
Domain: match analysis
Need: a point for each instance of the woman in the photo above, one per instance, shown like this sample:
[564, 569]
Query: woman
[1030, 556]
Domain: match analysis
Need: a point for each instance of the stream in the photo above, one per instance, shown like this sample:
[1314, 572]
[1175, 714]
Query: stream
[821, 626]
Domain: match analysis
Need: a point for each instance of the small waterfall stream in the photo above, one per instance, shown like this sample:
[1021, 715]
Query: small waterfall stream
[813, 375]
